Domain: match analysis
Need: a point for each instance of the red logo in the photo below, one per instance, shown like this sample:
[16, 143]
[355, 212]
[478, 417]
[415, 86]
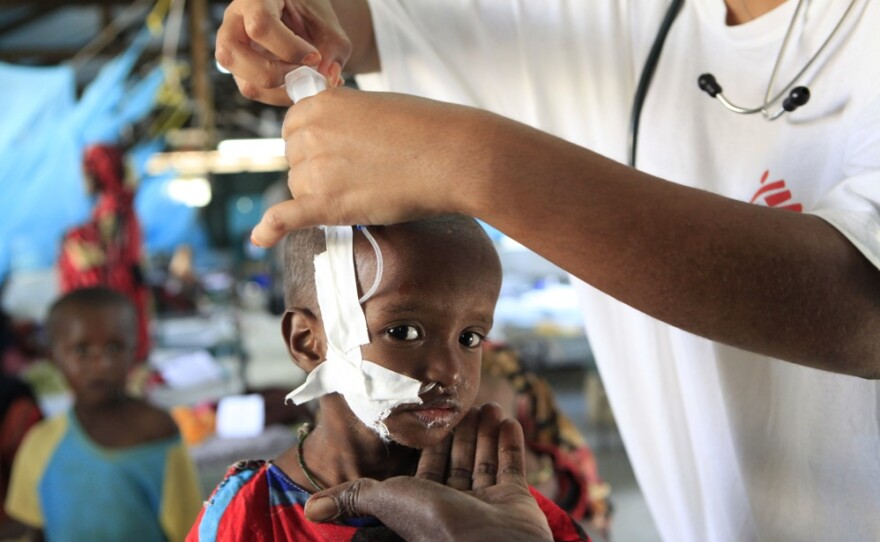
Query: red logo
[775, 194]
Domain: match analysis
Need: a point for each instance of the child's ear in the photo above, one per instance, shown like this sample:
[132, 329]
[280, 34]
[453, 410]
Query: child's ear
[303, 333]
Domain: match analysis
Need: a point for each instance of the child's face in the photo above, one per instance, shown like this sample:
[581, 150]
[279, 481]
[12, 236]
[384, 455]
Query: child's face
[94, 348]
[427, 320]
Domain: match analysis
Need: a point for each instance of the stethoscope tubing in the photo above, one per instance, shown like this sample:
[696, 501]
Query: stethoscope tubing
[654, 58]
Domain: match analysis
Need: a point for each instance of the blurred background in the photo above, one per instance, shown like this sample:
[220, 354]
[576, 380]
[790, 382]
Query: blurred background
[203, 164]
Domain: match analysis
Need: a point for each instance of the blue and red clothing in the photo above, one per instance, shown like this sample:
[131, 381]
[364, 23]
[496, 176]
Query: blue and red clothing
[74, 488]
[257, 502]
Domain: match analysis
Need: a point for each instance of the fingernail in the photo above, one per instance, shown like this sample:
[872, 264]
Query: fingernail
[312, 58]
[335, 74]
[254, 239]
[321, 509]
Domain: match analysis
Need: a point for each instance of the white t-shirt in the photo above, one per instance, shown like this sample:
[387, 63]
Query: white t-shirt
[726, 445]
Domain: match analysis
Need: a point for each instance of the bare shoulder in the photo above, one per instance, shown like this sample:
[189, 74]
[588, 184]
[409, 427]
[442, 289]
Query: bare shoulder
[153, 423]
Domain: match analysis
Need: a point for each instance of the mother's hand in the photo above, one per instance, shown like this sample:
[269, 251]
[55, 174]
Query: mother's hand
[499, 507]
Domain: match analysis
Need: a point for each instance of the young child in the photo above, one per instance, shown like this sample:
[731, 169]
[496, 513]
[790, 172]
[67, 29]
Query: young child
[113, 467]
[427, 318]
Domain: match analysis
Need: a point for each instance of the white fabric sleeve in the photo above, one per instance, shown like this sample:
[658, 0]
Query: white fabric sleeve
[853, 205]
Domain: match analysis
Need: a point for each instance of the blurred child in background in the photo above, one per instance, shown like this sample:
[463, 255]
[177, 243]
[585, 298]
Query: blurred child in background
[113, 467]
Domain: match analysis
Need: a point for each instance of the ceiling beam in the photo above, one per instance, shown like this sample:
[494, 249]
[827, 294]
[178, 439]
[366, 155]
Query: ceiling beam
[53, 56]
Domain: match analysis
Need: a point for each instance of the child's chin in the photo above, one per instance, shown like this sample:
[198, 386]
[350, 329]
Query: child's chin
[426, 439]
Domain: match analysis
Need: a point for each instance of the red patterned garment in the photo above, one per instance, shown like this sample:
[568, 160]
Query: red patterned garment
[18, 413]
[106, 250]
[257, 502]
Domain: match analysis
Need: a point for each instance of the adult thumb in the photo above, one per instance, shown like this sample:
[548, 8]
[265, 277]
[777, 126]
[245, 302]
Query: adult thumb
[341, 502]
[403, 504]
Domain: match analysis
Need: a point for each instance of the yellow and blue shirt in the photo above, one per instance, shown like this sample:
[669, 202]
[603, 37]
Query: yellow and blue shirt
[75, 489]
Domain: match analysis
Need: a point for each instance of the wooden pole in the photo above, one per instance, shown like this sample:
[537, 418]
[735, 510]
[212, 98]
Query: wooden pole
[200, 56]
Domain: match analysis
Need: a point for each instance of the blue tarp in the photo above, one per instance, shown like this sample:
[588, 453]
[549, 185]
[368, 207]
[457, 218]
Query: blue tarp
[43, 131]
[41, 186]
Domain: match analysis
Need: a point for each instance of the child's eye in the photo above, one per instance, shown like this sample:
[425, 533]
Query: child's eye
[404, 333]
[471, 339]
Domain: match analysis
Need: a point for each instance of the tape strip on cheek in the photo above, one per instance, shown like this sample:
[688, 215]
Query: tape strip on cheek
[370, 390]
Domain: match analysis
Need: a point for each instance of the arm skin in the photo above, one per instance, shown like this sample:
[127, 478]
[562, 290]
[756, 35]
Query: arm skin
[780, 283]
[775, 282]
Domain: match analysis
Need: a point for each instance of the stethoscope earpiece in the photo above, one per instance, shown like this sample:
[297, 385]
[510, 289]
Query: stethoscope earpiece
[708, 84]
[796, 98]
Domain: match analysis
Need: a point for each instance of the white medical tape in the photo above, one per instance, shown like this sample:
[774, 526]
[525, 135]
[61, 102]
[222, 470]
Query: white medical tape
[370, 390]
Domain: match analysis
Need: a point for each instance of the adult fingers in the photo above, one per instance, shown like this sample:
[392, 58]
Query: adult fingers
[320, 23]
[433, 461]
[486, 457]
[411, 507]
[344, 501]
[303, 212]
[269, 27]
[271, 96]
[464, 444]
[260, 41]
[249, 59]
[418, 509]
[511, 454]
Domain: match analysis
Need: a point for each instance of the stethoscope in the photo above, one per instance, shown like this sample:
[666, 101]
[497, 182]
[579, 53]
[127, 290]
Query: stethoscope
[794, 96]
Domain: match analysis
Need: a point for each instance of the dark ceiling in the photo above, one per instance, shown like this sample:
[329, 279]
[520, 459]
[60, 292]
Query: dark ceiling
[50, 32]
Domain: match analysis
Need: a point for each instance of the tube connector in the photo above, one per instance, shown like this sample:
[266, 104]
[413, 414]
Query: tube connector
[304, 82]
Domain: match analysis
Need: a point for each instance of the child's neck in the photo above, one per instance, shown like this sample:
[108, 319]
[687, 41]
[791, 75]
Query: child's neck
[109, 422]
[106, 409]
[340, 448]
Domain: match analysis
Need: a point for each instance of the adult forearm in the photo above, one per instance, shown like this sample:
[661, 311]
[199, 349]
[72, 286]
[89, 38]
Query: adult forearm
[777, 282]
[356, 20]
[780, 283]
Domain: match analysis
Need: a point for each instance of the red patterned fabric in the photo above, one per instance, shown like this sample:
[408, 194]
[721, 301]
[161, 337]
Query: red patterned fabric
[106, 250]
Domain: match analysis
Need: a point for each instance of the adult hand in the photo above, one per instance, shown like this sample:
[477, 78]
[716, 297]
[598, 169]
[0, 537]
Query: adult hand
[468, 458]
[376, 158]
[499, 507]
[260, 41]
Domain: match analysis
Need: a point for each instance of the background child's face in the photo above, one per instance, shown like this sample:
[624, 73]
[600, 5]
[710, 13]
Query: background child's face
[94, 348]
[427, 320]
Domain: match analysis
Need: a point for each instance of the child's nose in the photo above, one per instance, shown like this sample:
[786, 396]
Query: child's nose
[100, 357]
[445, 366]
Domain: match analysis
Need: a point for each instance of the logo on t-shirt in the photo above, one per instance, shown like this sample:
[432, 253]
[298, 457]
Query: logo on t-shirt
[775, 194]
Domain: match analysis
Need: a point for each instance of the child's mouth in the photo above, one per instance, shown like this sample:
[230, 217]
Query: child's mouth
[434, 417]
[436, 413]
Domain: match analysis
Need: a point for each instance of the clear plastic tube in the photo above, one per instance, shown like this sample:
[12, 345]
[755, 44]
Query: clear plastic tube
[379, 265]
